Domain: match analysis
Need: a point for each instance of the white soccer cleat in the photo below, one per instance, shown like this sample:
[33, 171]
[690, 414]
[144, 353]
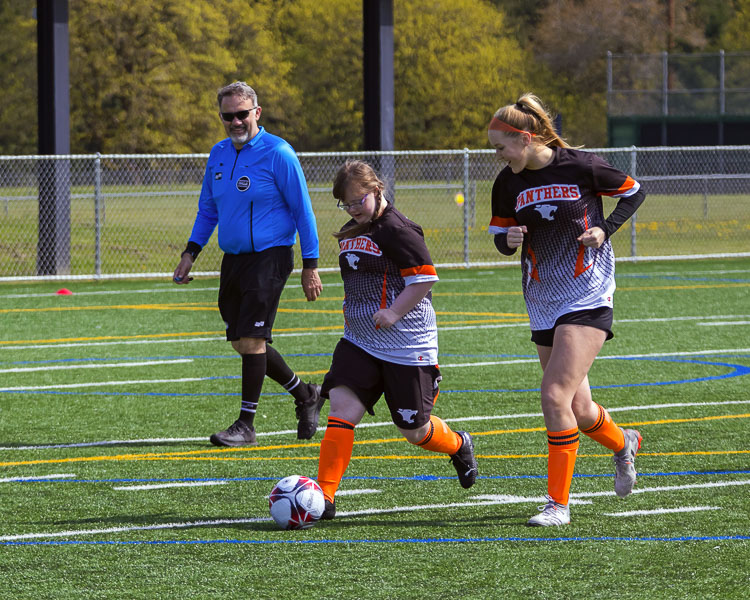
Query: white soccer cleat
[625, 473]
[551, 513]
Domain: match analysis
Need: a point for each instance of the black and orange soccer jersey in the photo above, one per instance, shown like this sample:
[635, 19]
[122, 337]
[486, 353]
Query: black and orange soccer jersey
[376, 267]
[557, 204]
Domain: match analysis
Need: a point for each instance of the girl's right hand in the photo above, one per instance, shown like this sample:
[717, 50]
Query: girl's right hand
[515, 236]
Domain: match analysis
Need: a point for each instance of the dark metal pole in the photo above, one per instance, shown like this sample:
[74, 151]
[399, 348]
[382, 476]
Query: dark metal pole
[53, 249]
[378, 74]
[377, 17]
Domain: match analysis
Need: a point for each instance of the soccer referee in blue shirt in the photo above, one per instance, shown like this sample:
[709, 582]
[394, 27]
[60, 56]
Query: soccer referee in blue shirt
[255, 191]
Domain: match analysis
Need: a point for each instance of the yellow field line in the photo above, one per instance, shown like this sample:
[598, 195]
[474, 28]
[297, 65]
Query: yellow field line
[213, 307]
[136, 458]
[638, 424]
[191, 333]
[193, 454]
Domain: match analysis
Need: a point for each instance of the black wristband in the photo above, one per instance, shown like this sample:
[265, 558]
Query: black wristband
[309, 263]
[192, 249]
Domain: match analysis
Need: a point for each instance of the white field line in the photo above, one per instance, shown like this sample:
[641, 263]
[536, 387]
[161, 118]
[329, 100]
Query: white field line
[37, 477]
[183, 525]
[100, 383]
[525, 323]
[682, 273]
[158, 486]
[356, 492]
[485, 500]
[662, 511]
[443, 366]
[725, 323]
[97, 366]
[170, 288]
[613, 357]
[114, 343]
[365, 425]
[672, 319]
[644, 490]
[514, 361]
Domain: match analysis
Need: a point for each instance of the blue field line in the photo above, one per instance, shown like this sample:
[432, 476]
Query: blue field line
[687, 538]
[737, 371]
[300, 355]
[420, 478]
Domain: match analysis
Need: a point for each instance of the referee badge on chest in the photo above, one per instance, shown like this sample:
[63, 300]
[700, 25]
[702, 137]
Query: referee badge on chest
[243, 184]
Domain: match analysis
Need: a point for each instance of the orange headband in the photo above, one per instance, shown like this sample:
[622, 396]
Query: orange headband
[498, 125]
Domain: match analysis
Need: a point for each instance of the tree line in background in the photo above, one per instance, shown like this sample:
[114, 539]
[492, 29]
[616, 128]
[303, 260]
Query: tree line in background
[144, 73]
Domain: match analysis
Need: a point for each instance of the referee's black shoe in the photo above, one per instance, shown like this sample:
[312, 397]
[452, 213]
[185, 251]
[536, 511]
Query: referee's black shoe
[464, 461]
[308, 412]
[237, 434]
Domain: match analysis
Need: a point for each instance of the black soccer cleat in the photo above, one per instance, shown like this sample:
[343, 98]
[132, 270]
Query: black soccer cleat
[237, 434]
[329, 512]
[464, 461]
[308, 412]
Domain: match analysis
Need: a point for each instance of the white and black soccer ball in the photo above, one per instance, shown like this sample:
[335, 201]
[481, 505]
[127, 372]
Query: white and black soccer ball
[296, 502]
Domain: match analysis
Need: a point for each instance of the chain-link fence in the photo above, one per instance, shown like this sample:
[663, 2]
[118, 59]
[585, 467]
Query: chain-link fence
[98, 216]
[678, 84]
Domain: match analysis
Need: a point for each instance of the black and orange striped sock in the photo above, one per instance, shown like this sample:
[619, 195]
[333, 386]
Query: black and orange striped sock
[440, 438]
[606, 431]
[335, 454]
[563, 447]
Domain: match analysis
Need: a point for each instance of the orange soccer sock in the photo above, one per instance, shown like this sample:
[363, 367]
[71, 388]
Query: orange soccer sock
[335, 454]
[440, 438]
[605, 431]
[563, 447]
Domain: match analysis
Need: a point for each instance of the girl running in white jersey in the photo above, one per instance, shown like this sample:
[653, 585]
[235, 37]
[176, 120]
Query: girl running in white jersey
[390, 335]
[547, 200]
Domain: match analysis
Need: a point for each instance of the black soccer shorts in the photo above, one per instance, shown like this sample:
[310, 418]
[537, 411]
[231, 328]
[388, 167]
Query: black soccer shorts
[250, 289]
[599, 318]
[410, 390]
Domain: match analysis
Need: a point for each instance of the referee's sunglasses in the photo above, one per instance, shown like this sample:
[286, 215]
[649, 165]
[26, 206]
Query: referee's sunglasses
[240, 114]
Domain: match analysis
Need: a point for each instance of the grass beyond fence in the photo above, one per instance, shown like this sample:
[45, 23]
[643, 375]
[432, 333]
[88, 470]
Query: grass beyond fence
[110, 489]
[146, 234]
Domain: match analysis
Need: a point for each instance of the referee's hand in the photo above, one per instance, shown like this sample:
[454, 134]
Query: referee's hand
[180, 276]
[311, 284]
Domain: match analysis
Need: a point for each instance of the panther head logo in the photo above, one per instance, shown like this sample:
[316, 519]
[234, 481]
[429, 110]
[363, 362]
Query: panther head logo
[353, 260]
[547, 211]
[407, 414]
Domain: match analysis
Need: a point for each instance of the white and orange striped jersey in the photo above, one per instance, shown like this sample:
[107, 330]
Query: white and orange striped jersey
[557, 204]
[376, 267]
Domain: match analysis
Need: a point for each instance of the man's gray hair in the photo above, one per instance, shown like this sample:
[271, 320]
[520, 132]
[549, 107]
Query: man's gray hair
[238, 88]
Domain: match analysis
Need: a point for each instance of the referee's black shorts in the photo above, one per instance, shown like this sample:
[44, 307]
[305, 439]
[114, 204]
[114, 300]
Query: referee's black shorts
[250, 289]
[599, 318]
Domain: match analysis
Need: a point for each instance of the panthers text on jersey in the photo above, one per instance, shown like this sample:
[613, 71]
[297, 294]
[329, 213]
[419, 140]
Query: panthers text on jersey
[376, 267]
[557, 203]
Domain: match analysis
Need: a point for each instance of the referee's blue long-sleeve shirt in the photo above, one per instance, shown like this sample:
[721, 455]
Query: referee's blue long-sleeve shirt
[258, 197]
